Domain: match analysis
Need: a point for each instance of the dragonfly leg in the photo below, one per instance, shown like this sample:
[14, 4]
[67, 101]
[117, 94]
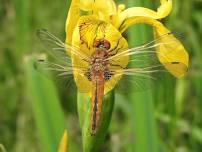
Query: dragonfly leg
[88, 75]
[107, 75]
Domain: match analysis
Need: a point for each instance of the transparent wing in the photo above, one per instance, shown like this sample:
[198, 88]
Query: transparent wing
[150, 47]
[60, 67]
[59, 50]
[144, 68]
[142, 77]
[62, 75]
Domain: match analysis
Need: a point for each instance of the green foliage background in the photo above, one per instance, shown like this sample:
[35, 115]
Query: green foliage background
[35, 110]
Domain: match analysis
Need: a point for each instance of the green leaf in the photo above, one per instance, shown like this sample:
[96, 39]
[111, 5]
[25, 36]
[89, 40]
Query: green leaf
[143, 120]
[2, 149]
[46, 107]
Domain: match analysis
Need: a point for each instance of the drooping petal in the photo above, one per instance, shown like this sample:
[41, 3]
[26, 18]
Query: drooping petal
[63, 143]
[103, 8]
[72, 18]
[89, 29]
[163, 10]
[171, 53]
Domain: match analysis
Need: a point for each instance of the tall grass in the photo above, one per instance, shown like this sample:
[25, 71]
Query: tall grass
[46, 107]
[142, 116]
[42, 94]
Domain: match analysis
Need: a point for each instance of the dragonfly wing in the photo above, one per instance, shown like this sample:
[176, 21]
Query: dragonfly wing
[165, 49]
[147, 64]
[61, 75]
[134, 84]
[53, 46]
[57, 49]
[143, 77]
[61, 67]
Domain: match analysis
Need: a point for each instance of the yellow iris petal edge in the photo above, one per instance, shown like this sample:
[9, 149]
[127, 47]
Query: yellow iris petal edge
[174, 50]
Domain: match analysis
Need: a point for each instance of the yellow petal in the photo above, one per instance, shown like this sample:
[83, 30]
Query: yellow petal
[163, 10]
[86, 5]
[108, 7]
[121, 8]
[63, 143]
[103, 8]
[171, 54]
[89, 29]
[71, 21]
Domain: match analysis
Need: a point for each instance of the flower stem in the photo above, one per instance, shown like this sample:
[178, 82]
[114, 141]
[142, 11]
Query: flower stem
[144, 127]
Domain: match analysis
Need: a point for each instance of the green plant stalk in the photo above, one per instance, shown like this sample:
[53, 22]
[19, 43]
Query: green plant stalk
[45, 106]
[93, 143]
[22, 26]
[144, 127]
[181, 85]
[2, 148]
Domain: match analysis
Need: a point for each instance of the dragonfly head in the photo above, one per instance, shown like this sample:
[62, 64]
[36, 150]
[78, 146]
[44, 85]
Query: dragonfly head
[101, 44]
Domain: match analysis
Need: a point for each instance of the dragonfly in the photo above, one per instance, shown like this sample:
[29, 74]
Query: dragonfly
[103, 65]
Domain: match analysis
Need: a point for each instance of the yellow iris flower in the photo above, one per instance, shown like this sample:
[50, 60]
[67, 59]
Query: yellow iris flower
[104, 19]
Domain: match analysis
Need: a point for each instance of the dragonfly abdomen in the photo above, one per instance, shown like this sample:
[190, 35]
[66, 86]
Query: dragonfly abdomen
[96, 102]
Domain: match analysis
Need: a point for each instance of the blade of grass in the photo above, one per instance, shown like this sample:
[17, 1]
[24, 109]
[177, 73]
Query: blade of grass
[46, 108]
[2, 148]
[144, 127]
[22, 25]
[93, 143]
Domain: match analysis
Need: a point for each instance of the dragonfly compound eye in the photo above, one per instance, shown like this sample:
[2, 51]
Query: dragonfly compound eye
[106, 44]
[97, 43]
[101, 44]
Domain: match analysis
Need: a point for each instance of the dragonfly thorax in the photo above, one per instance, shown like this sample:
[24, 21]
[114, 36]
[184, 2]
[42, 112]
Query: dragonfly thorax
[98, 62]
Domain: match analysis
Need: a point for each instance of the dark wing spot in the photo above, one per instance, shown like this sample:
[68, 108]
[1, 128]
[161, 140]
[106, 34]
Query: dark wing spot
[175, 62]
[41, 60]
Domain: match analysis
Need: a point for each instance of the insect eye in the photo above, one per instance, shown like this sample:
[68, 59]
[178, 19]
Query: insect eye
[101, 43]
[106, 44]
[97, 43]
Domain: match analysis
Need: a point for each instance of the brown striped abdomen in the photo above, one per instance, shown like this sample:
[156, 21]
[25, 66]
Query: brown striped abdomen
[96, 101]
